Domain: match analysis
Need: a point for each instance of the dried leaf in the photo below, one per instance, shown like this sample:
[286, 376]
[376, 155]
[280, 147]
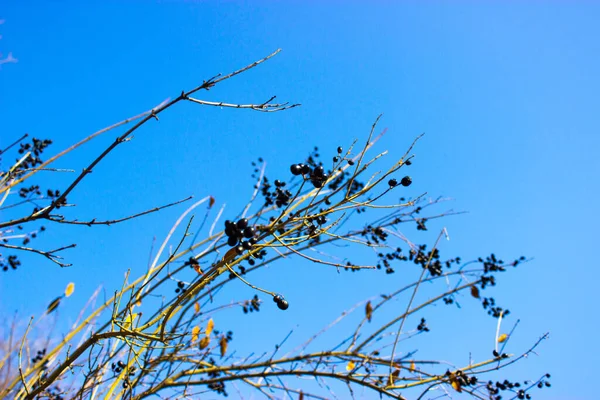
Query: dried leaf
[196, 307]
[502, 338]
[197, 269]
[53, 305]
[195, 333]
[70, 289]
[204, 342]
[394, 376]
[301, 396]
[369, 311]
[223, 346]
[351, 365]
[210, 326]
[211, 202]
[475, 291]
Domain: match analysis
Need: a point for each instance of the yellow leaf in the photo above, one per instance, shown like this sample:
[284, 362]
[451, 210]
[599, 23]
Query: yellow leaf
[369, 311]
[223, 346]
[412, 366]
[196, 307]
[204, 342]
[456, 385]
[70, 289]
[210, 326]
[195, 333]
[129, 319]
[351, 365]
[138, 303]
[502, 338]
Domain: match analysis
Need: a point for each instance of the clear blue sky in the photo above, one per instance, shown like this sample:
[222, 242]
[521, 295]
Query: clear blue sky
[507, 95]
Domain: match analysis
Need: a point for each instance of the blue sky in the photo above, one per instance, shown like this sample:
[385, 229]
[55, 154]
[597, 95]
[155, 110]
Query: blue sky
[505, 93]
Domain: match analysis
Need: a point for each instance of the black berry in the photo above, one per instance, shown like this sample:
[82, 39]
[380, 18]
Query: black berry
[249, 232]
[283, 304]
[339, 150]
[232, 241]
[242, 223]
[296, 169]
[393, 182]
[406, 181]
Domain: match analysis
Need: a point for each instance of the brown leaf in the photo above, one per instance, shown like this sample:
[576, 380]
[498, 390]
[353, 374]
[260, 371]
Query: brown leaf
[53, 305]
[475, 291]
[301, 396]
[394, 376]
[211, 202]
[223, 346]
[369, 311]
[204, 342]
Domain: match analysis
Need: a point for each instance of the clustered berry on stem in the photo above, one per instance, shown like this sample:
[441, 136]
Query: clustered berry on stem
[281, 302]
[317, 176]
[237, 231]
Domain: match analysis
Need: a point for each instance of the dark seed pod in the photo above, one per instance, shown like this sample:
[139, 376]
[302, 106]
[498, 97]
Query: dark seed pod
[246, 245]
[305, 169]
[249, 232]
[277, 298]
[242, 223]
[406, 181]
[339, 150]
[296, 169]
[393, 183]
[239, 249]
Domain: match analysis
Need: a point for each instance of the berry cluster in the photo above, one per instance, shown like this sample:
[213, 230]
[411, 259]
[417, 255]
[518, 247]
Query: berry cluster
[494, 389]
[423, 326]
[251, 305]
[39, 356]
[12, 261]
[281, 302]
[406, 181]
[37, 147]
[280, 197]
[180, 287]
[317, 175]
[218, 387]
[120, 366]
[237, 231]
